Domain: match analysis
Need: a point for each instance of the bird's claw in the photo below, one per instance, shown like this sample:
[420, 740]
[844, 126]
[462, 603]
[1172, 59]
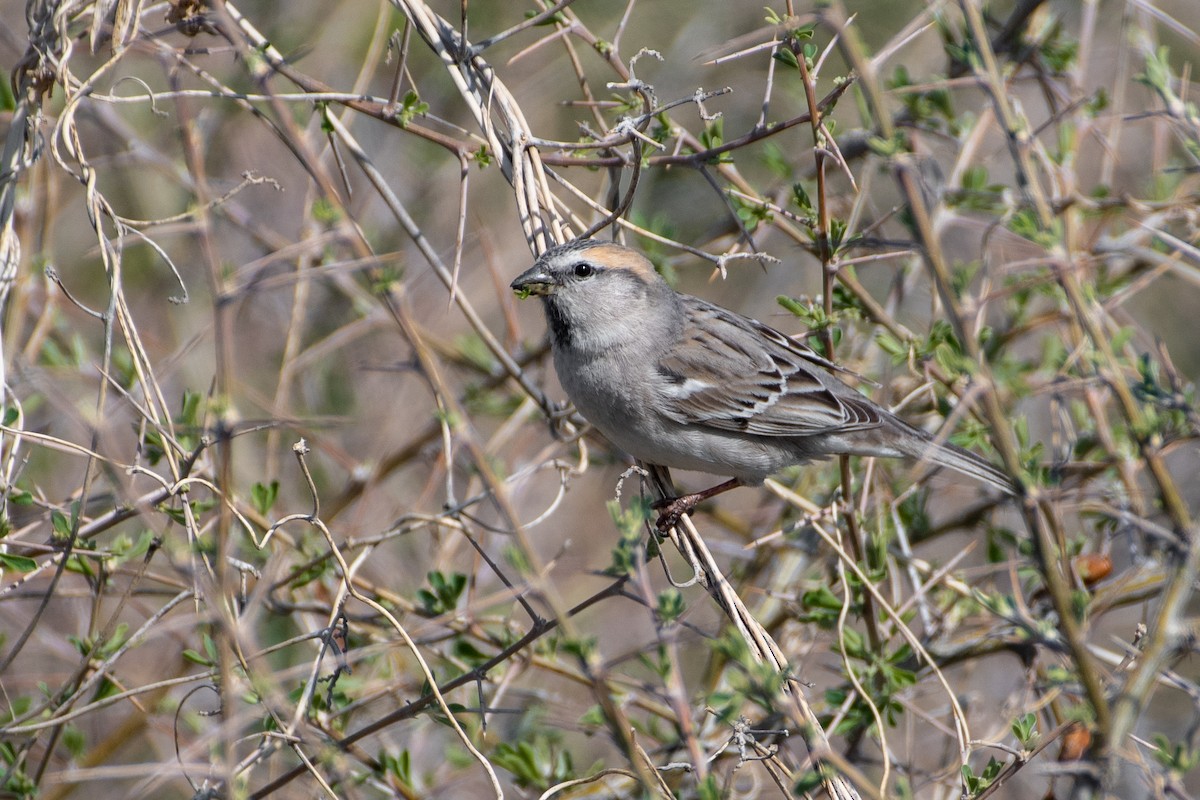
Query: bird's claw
[670, 509]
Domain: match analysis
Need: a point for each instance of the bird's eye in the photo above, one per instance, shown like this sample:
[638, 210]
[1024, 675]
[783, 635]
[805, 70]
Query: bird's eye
[584, 270]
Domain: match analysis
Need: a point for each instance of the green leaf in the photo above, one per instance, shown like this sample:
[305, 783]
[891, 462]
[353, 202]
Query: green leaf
[446, 590]
[468, 652]
[411, 107]
[190, 408]
[713, 137]
[670, 605]
[1024, 728]
[557, 18]
[8, 101]
[196, 658]
[786, 57]
[630, 522]
[822, 597]
[263, 496]
[17, 563]
[801, 198]
[60, 524]
[75, 741]
[399, 767]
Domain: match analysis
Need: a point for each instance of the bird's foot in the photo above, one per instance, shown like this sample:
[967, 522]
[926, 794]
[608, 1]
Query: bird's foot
[670, 509]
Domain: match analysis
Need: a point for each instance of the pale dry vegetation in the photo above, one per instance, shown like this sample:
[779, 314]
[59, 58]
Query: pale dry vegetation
[290, 504]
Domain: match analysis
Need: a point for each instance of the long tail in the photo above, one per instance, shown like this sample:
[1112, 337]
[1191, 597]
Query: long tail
[968, 463]
[896, 438]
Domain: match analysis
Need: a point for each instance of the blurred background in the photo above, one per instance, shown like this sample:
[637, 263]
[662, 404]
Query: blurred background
[230, 228]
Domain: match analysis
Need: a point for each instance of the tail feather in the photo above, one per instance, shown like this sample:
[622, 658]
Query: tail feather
[956, 458]
[896, 438]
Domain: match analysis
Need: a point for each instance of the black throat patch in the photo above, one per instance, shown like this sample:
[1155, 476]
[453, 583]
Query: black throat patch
[560, 328]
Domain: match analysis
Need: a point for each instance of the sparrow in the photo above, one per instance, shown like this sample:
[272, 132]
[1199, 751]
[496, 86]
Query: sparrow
[677, 381]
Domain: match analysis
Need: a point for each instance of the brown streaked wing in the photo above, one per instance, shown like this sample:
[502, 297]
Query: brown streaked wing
[737, 374]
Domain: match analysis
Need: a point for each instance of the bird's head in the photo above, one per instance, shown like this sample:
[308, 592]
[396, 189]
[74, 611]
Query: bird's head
[597, 294]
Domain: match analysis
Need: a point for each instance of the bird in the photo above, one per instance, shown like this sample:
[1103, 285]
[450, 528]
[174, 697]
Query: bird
[677, 381]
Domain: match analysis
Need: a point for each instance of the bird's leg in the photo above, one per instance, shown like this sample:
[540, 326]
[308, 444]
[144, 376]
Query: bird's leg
[670, 509]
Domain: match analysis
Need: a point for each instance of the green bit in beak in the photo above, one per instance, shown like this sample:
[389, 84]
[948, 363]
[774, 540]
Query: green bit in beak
[534, 281]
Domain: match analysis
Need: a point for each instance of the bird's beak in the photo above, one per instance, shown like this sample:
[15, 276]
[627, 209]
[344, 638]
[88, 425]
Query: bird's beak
[534, 280]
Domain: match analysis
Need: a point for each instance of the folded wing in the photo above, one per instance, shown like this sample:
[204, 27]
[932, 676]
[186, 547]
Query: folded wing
[736, 374]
